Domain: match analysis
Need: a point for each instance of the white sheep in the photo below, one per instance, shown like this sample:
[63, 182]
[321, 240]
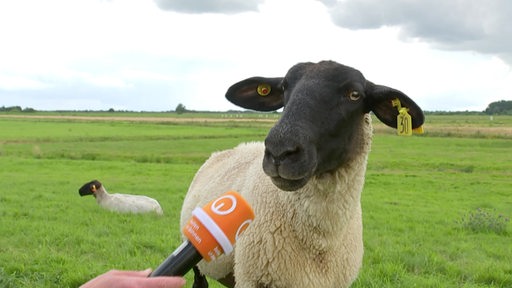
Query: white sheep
[124, 203]
[308, 226]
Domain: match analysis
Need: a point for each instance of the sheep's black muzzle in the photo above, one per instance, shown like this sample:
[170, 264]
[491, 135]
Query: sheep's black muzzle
[84, 191]
[288, 162]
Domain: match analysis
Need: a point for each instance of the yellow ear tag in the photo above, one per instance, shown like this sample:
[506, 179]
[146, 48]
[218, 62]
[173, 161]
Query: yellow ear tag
[418, 130]
[93, 188]
[396, 103]
[404, 123]
[264, 89]
[403, 120]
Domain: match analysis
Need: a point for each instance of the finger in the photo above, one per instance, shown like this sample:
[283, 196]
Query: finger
[161, 282]
[142, 273]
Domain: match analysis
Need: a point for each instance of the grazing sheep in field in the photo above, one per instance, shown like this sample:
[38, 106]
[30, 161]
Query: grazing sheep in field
[307, 197]
[124, 203]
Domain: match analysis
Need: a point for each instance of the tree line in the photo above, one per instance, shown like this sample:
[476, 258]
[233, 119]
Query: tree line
[16, 109]
[502, 107]
[499, 108]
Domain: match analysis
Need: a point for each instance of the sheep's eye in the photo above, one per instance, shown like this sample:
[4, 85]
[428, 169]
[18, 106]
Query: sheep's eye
[354, 95]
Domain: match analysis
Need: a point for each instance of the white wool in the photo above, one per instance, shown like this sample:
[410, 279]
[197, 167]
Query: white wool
[311, 237]
[127, 203]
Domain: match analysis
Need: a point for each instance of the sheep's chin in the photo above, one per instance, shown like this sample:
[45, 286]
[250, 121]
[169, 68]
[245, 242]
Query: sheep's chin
[289, 185]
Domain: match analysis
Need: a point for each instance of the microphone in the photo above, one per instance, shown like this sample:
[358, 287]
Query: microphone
[210, 232]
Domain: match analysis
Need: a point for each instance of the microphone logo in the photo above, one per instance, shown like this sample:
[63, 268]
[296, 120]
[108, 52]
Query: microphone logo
[214, 228]
[224, 205]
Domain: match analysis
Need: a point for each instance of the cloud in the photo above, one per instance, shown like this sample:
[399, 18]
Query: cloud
[9, 82]
[470, 25]
[209, 6]
[163, 59]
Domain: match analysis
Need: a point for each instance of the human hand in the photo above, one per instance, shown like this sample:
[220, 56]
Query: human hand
[133, 279]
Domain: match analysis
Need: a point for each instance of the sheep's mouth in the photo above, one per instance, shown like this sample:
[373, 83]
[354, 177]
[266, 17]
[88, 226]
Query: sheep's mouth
[289, 184]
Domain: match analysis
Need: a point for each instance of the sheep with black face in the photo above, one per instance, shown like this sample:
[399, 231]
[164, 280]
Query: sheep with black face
[307, 196]
[124, 203]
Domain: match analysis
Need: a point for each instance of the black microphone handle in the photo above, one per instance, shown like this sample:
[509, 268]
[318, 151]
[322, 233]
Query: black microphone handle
[179, 262]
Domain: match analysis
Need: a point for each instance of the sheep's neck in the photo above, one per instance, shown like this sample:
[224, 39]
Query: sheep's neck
[101, 194]
[329, 202]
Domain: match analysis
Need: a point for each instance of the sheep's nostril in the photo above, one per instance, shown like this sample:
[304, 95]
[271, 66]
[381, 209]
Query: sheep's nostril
[289, 153]
[283, 156]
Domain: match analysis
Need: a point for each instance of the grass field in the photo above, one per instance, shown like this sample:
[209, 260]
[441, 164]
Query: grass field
[435, 207]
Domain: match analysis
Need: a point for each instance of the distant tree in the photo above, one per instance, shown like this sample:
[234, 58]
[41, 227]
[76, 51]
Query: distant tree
[111, 110]
[11, 109]
[499, 107]
[180, 109]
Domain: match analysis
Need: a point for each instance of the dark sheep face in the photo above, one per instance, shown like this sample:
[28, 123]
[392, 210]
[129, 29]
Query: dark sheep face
[89, 188]
[324, 107]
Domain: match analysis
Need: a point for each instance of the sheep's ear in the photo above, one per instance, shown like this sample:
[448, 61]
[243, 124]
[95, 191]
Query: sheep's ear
[386, 102]
[97, 184]
[257, 93]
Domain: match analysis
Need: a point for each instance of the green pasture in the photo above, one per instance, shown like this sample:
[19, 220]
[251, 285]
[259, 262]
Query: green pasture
[426, 203]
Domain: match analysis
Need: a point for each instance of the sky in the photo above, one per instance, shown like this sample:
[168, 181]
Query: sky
[144, 55]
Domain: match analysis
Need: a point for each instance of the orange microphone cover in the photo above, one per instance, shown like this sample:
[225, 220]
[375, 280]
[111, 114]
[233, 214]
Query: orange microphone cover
[214, 228]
